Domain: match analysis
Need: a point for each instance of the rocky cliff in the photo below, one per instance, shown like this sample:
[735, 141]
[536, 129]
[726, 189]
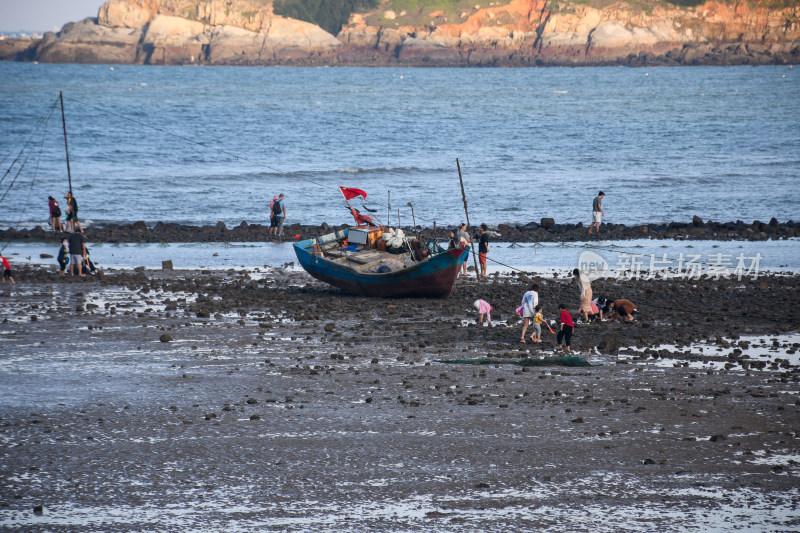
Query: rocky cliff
[515, 33]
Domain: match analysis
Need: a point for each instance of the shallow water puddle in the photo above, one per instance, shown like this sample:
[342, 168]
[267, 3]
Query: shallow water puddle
[777, 351]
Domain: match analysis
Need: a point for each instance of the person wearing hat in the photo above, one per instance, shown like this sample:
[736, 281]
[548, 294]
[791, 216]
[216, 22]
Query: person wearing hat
[483, 308]
[72, 214]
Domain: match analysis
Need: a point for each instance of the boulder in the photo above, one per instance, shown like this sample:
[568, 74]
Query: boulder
[171, 40]
[697, 221]
[17, 49]
[89, 42]
[548, 223]
[284, 32]
[423, 52]
[132, 14]
[232, 45]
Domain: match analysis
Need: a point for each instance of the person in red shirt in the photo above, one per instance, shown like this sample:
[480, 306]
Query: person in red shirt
[7, 275]
[567, 325]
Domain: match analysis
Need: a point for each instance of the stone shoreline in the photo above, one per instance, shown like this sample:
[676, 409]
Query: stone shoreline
[544, 231]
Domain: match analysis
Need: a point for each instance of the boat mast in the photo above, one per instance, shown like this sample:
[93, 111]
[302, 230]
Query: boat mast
[469, 227]
[66, 148]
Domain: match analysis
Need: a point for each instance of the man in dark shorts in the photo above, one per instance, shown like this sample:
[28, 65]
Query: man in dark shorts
[273, 222]
[483, 248]
[72, 214]
[77, 249]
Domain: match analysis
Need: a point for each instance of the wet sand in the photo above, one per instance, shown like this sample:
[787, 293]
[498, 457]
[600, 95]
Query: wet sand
[246, 400]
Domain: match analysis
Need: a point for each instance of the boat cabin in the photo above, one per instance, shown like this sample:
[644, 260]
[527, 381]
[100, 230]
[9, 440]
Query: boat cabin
[370, 249]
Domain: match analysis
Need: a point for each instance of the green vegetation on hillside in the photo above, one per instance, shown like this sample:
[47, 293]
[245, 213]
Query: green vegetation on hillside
[329, 15]
[418, 12]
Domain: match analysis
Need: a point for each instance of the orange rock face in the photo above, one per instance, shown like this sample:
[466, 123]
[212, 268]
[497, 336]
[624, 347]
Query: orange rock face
[517, 33]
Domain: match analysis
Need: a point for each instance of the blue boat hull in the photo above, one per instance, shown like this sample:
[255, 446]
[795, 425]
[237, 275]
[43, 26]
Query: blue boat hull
[433, 277]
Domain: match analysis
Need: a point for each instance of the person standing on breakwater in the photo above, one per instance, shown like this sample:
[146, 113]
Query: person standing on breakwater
[72, 214]
[7, 274]
[55, 215]
[483, 249]
[597, 212]
[586, 292]
[63, 256]
[280, 214]
[77, 249]
[530, 300]
[273, 222]
[567, 326]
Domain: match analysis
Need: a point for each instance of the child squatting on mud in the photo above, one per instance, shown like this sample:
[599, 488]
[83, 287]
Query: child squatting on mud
[565, 333]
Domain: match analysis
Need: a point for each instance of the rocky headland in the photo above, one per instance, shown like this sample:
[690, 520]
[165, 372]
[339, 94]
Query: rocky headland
[502, 33]
[546, 230]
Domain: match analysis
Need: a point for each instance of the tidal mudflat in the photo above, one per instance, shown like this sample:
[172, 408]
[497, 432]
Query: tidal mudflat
[257, 400]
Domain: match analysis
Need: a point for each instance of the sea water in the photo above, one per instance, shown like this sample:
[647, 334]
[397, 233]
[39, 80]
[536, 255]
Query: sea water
[200, 145]
[641, 258]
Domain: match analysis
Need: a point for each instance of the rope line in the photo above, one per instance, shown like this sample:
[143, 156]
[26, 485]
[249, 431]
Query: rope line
[33, 180]
[42, 123]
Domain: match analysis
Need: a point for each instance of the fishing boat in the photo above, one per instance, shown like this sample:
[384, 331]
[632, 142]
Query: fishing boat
[371, 260]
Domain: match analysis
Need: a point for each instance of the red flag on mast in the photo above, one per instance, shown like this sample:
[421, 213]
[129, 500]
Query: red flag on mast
[350, 193]
[360, 219]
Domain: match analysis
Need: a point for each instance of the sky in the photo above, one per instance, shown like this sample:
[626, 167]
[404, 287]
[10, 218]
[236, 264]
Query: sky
[44, 15]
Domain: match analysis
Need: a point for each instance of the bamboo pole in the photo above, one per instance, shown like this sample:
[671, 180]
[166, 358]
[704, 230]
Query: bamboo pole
[66, 148]
[466, 211]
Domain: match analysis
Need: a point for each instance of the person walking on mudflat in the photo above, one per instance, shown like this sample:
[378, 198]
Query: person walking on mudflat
[483, 249]
[7, 274]
[530, 300]
[597, 212]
